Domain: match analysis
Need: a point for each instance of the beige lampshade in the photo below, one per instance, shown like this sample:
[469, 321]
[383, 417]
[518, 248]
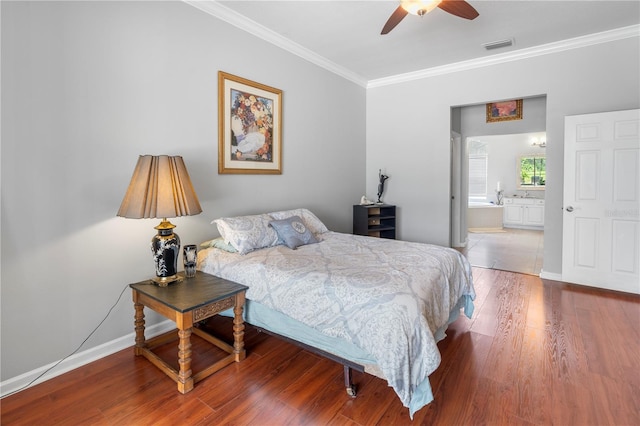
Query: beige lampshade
[160, 188]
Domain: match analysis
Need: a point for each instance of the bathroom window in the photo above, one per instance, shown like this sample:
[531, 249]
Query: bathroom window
[532, 172]
[478, 163]
[477, 175]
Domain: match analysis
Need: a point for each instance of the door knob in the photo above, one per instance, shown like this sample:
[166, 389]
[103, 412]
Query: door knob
[569, 209]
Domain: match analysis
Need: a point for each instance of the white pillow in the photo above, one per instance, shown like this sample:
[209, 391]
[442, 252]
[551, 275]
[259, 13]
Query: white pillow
[247, 233]
[219, 243]
[310, 220]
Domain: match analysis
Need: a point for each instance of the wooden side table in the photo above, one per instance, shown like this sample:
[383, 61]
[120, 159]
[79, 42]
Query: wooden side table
[187, 302]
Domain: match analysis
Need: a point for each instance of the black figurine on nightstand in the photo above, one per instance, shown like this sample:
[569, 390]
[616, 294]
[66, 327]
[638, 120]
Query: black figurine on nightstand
[381, 185]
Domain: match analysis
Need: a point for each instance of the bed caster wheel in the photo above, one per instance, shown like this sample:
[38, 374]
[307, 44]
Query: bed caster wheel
[351, 391]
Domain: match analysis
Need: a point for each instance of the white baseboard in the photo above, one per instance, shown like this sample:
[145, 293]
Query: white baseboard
[550, 276]
[57, 368]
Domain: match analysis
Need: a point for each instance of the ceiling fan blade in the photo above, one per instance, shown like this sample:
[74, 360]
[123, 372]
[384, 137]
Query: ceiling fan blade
[394, 19]
[459, 8]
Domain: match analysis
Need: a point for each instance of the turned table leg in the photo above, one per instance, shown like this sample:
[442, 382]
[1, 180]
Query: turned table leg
[139, 327]
[185, 381]
[238, 328]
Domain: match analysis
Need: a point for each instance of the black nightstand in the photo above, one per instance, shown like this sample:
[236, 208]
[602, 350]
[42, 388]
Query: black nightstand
[376, 220]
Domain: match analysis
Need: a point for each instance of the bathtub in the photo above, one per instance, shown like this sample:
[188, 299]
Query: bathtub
[484, 217]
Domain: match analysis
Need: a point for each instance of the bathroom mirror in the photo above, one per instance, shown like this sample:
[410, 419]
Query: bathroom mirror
[532, 172]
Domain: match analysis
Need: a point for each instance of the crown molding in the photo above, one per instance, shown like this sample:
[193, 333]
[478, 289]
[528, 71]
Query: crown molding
[242, 22]
[230, 16]
[516, 55]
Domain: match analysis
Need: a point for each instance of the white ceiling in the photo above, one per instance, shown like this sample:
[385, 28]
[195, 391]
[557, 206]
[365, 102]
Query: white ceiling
[344, 36]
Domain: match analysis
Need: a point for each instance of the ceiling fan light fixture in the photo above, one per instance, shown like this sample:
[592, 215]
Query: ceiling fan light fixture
[459, 8]
[419, 7]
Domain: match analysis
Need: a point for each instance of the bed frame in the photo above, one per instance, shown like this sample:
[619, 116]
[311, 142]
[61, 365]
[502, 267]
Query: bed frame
[347, 365]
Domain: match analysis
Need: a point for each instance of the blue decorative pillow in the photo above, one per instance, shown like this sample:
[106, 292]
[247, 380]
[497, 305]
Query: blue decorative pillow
[293, 232]
[310, 220]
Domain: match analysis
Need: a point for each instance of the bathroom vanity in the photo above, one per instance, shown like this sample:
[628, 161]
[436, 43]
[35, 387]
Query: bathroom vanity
[525, 213]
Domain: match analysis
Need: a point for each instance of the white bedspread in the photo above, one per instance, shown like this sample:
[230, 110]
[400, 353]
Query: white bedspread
[391, 298]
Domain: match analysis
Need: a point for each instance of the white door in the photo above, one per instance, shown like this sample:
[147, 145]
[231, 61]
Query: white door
[601, 216]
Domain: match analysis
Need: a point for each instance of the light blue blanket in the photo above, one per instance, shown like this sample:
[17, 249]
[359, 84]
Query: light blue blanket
[391, 300]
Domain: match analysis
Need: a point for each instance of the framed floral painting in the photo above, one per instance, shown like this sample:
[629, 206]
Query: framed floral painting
[249, 126]
[504, 111]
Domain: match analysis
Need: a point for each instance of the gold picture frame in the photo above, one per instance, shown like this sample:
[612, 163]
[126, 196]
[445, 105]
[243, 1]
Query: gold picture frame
[504, 111]
[249, 126]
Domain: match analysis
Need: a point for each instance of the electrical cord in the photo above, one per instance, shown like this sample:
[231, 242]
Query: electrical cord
[72, 353]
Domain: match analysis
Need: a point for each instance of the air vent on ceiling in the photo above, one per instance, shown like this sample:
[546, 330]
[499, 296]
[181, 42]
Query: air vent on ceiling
[498, 44]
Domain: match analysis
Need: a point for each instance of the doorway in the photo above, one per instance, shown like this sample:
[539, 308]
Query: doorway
[503, 231]
[519, 248]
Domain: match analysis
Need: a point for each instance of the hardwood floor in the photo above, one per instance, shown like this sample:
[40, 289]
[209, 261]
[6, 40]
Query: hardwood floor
[536, 352]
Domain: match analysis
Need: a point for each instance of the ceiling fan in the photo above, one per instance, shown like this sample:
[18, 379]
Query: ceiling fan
[421, 7]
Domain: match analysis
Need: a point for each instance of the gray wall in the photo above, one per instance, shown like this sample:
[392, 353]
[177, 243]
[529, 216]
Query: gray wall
[408, 128]
[89, 86]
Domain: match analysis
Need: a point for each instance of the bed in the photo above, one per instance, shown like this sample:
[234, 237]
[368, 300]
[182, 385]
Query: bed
[377, 303]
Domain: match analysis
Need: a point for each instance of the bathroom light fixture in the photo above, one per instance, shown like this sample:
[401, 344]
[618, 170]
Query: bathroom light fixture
[541, 142]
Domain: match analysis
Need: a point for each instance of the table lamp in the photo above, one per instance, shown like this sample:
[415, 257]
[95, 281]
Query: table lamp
[160, 188]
